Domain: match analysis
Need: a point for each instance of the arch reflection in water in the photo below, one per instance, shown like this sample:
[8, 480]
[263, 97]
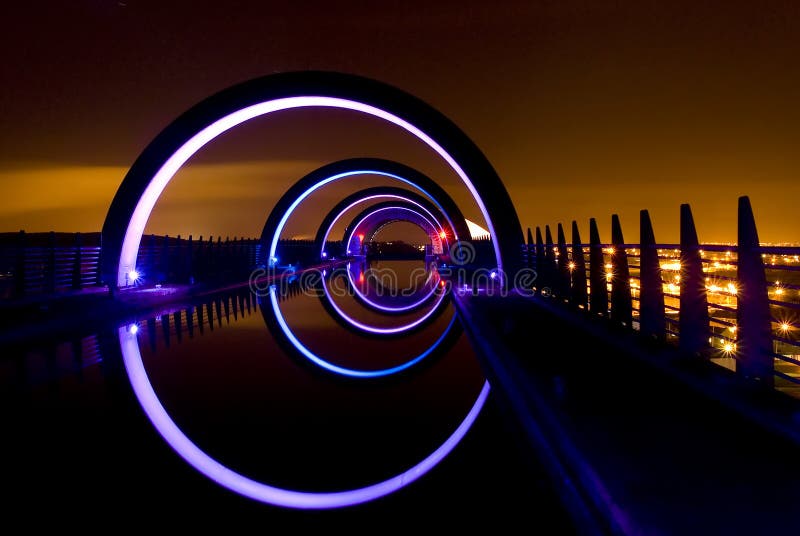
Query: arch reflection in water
[371, 290]
[278, 325]
[338, 312]
[261, 491]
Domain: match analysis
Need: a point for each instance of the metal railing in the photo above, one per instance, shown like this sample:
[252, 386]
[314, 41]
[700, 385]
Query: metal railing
[42, 264]
[735, 304]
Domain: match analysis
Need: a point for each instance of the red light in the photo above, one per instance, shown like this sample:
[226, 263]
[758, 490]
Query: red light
[361, 237]
[441, 283]
[361, 277]
[442, 235]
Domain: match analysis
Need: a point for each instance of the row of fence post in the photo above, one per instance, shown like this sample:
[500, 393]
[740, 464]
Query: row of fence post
[563, 276]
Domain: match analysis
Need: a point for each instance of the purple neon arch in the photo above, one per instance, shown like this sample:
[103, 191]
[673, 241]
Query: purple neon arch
[349, 238]
[260, 491]
[381, 196]
[159, 181]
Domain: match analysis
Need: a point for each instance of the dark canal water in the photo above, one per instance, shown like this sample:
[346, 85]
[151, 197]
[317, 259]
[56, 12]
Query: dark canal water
[269, 395]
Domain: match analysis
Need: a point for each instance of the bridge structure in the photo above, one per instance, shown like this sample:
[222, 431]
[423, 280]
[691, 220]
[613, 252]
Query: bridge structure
[655, 382]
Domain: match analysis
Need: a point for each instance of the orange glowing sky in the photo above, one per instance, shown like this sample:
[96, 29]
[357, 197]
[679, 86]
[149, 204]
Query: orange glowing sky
[584, 109]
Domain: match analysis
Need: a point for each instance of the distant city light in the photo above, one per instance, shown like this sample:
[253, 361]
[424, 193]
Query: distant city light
[571, 266]
[133, 329]
[728, 347]
[732, 288]
[133, 276]
[785, 327]
[324, 254]
[493, 275]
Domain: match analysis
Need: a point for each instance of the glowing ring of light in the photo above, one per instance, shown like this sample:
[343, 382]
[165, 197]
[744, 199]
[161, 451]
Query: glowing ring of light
[259, 491]
[136, 225]
[349, 238]
[382, 196]
[370, 303]
[128, 253]
[355, 323]
[384, 331]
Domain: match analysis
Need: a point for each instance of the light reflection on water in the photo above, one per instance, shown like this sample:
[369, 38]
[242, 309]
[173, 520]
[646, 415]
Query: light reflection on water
[236, 392]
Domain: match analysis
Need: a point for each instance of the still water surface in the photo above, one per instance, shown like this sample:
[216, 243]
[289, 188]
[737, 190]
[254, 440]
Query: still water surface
[241, 392]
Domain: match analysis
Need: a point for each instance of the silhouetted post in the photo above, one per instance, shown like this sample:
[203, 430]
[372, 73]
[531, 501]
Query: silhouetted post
[563, 265]
[210, 314]
[652, 322]
[190, 320]
[77, 262]
[693, 319]
[550, 260]
[226, 259]
[152, 334]
[541, 279]
[218, 310]
[578, 293]
[530, 250]
[165, 328]
[621, 301]
[190, 263]
[200, 321]
[753, 315]
[19, 270]
[219, 261]
[50, 266]
[598, 291]
[176, 317]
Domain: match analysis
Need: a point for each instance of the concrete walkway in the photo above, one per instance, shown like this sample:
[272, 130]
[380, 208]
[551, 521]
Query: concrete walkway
[635, 449]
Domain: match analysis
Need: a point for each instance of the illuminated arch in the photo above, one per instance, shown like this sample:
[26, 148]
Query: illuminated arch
[382, 193]
[363, 228]
[176, 144]
[354, 167]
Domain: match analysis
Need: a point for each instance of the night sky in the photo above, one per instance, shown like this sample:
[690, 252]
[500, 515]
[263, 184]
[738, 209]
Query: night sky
[583, 109]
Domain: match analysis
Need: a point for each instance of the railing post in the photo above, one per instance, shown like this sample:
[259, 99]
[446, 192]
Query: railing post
[77, 262]
[621, 301]
[753, 315]
[598, 292]
[190, 261]
[693, 319]
[578, 294]
[541, 278]
[550, 261]
[20, 269]
[563, 266]
[530, 250]
[652, 321]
